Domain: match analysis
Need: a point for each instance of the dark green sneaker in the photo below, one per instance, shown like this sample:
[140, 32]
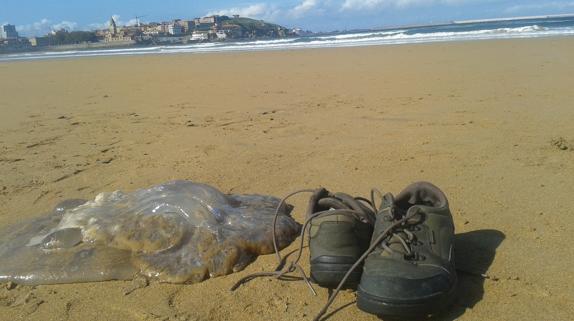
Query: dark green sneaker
[337, 241]
[411, 271]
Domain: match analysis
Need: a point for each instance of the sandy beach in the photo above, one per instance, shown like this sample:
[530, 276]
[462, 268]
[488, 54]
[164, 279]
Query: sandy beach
[490, 122]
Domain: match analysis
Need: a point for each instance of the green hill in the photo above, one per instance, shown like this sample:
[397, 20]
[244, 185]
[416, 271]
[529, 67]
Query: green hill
[251, 28]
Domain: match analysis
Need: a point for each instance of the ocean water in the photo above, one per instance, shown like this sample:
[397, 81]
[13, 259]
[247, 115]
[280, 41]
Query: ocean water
[493, 29]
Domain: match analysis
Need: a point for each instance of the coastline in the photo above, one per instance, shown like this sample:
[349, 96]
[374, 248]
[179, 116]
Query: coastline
[436, 33]
[141, 50]
[541, 39]
[477, 118]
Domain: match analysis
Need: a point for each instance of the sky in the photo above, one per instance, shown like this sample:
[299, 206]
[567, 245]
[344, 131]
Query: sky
[38, 17]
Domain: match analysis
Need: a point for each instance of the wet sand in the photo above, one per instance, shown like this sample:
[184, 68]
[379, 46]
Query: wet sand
[490, 122]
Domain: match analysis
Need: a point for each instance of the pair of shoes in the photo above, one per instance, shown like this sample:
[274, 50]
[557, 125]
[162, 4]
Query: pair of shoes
[399, 255]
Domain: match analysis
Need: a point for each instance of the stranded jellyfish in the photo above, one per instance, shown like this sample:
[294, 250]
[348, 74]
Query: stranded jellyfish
[179, 232]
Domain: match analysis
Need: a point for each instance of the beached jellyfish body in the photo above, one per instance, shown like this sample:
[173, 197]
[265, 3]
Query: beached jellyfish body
[175, 232]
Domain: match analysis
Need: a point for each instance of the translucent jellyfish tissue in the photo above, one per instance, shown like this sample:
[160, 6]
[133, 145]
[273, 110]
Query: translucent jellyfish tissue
[178, 232]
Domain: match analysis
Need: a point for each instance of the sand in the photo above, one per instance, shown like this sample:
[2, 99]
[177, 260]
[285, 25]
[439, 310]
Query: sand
[490, 122]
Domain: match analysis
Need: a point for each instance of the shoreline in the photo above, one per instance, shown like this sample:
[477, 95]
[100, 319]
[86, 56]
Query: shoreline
[141, 50]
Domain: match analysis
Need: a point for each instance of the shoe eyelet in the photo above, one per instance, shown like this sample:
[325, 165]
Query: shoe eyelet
[414, 257]
[415, 228]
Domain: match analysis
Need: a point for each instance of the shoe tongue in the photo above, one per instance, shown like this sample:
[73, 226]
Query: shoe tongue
[414, 212]
[395, 244]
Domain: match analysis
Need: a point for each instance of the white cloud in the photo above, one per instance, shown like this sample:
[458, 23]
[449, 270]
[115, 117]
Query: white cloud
[44, 27]
[554, 5]
[259, 10]
[131, 22]
[118, 20]
[303, 8]
[376, 4]
[272, 12]
[34, 27]
[98, 26]
[68, 25]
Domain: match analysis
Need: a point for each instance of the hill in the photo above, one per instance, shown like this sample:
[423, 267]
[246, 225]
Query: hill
[250, 28]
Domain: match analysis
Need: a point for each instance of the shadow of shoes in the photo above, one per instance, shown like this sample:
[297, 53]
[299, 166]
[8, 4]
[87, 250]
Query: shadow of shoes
[474, 253]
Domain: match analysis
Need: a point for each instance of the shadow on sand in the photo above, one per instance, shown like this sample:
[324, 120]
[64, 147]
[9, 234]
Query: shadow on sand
[474, 253]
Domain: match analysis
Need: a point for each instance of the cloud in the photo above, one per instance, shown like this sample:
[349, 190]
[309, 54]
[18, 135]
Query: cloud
[554, 5]
[44, 27]
[120, 22]
[117, 19]
[303, 8]
[259, 10]
[67, 25]
[272, 12]
[98, 26]
[376, 4]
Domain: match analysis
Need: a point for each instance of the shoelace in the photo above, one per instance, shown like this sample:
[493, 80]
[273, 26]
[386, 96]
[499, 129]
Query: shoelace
[282, 270]
[407, 238]
[402, 234]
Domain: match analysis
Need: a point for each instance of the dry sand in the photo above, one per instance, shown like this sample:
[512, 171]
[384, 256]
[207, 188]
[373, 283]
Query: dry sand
[478, 119]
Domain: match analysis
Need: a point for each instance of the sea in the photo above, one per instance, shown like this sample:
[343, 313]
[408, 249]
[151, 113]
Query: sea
[533, 27]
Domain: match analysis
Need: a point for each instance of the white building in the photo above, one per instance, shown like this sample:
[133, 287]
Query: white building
[221, 34]
[8, 32]
[199, 36]
[175, 29]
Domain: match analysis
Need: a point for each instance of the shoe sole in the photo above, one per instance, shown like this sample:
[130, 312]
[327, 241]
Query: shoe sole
[413, 308]
[328, 271]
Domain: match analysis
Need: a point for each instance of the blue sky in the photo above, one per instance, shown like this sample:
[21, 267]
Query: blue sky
[33, 17]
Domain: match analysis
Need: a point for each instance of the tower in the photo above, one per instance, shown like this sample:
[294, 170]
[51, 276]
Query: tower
[113, 27]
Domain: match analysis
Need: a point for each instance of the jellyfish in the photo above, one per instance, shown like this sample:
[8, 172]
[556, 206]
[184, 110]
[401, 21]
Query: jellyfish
[176, 232]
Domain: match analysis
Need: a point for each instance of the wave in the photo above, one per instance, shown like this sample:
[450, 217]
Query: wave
[359, 35]
[397, 36]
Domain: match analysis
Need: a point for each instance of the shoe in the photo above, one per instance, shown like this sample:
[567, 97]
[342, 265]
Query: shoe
[411, 271]
[337, 241]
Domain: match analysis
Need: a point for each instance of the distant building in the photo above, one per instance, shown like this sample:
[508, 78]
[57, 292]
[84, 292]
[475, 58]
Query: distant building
[221, 34]
[175, 29]
[101, 33]
[204, 27]
[8, 32]
[207, 20]
[151, 29]
[113, 27]
[186, 25]
[163, 28]
[199, 36]
[115, 34]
